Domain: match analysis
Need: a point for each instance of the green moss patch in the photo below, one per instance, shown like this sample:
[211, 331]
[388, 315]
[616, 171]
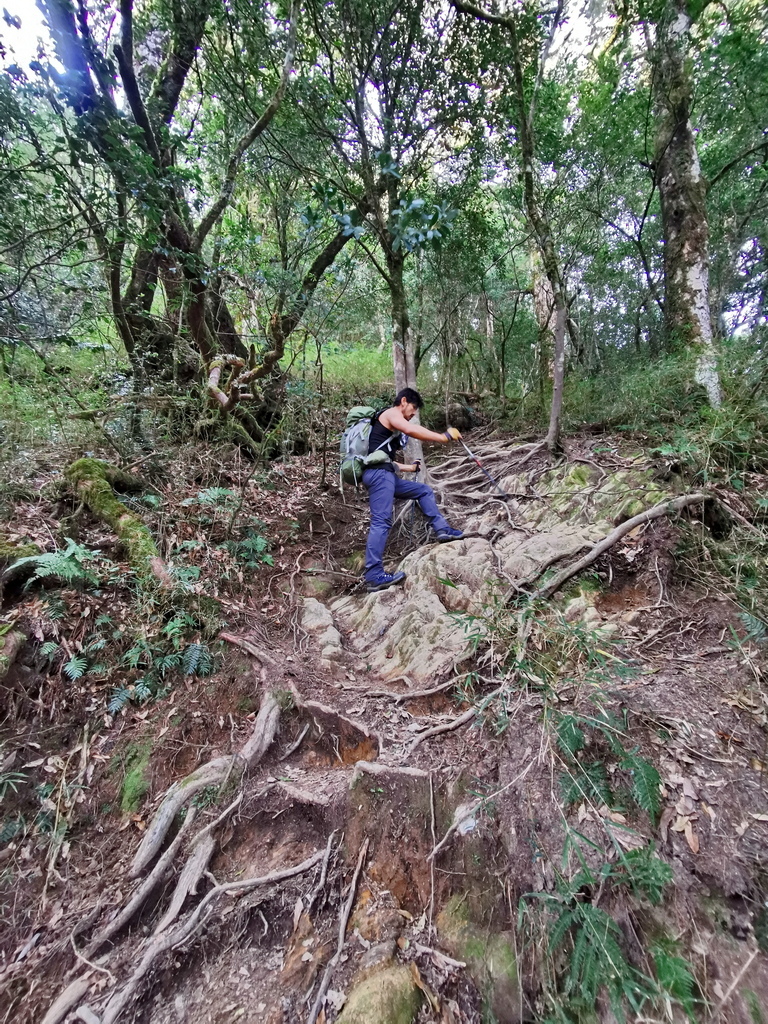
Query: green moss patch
[136, 782]
[387, 997]
[489, 957]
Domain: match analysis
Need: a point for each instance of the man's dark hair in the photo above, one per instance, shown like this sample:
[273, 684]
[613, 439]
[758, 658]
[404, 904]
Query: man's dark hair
[411, 396]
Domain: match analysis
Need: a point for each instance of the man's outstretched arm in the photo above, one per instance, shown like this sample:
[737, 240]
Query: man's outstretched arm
[393, 419]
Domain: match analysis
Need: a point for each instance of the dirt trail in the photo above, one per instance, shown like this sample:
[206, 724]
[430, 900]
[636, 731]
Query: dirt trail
[486, 753]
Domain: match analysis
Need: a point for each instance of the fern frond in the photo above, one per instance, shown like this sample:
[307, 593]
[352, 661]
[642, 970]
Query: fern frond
[560, 928]
[586, 782]
[756, 629]
[141, 691]
[166, 662]
[675, 977]
[49, 650]
[645, 872]
[646, 783]
[191, 658]
[135, 655]
[75, 668]
[120, 697]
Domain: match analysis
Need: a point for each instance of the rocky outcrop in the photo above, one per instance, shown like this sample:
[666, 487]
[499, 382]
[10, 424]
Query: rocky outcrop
[426, 628]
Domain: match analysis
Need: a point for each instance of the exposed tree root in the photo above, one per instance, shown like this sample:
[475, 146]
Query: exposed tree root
[193, 870]
[71, 995]
[343, 921]
[214, 773]
[662, 509]
[167, 932]
[143, 891]
[10, 645]
[455, 723]
[184, 931]
[92, 480]
[180, 793]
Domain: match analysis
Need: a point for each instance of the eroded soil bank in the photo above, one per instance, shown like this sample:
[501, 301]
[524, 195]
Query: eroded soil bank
[451, 801]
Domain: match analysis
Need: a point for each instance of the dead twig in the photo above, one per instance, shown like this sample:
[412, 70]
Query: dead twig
[295, 745]
[412, 694]
[323, 872]
[467, 810]
[732, 987]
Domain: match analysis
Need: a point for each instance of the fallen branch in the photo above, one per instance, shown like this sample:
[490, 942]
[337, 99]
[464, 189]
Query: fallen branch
[456, 723]
[246, 645]
[662, 509]
[343, 921]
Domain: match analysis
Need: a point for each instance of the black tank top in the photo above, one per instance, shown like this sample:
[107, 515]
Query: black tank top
[380, 434]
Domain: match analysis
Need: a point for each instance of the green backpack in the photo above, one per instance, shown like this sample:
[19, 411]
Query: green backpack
[353, 447]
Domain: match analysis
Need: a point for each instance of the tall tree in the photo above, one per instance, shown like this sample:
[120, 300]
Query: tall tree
[527, 67]
[379, 101]
[159, 225]
[683, 193]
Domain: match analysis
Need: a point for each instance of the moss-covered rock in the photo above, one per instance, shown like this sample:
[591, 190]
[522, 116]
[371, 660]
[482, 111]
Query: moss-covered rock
[490, 960]
[386, 997]
[10, 552]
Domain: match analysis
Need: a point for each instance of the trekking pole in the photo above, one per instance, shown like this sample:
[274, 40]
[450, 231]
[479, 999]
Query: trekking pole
[480, 466]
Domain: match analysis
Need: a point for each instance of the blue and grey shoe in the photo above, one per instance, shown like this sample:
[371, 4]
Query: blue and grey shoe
[383, 581]
[444, 536]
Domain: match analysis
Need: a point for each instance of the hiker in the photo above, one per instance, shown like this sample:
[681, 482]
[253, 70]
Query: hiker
[384, 485]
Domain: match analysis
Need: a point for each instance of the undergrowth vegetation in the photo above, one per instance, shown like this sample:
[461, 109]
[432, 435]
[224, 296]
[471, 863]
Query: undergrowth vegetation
[606, 789]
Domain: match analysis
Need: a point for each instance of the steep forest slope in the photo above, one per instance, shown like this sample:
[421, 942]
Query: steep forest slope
[236, 787]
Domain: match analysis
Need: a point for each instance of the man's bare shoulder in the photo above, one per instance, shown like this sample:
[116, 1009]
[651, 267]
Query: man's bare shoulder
[393, 419]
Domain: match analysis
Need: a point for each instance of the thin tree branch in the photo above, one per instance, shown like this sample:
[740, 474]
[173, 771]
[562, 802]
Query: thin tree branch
[761, 146]
[250, 137]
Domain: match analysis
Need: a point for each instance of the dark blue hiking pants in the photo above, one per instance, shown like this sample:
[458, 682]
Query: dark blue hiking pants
[384, 485]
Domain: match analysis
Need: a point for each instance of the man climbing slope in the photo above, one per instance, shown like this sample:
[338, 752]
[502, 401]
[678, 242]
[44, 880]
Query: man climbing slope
[384, 485]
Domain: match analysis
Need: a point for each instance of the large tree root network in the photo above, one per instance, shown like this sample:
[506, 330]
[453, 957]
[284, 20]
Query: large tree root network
[169, 931]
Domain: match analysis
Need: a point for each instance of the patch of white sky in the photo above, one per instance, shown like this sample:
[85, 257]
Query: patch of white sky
[22, 44]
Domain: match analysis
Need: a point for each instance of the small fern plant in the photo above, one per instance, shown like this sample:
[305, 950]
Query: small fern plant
[68, 565]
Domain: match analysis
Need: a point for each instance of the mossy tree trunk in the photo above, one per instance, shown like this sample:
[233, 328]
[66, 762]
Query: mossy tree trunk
[92, 481]
[682, 191]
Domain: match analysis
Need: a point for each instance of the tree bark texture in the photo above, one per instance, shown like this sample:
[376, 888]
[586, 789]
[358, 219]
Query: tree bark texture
[682, 192]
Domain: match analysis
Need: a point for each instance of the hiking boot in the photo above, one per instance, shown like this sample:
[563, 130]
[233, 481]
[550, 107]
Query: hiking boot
[383, 581]
[450, 534]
